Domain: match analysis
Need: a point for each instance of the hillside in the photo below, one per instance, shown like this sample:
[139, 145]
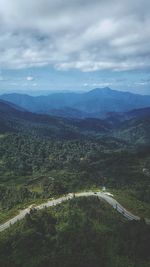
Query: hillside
[62, 237]
[132, 126]
[43, 157]
[135, 131]
[15, 120]
[95, 103]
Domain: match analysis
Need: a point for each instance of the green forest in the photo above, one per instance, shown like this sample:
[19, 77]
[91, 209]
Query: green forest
[33, 168]
[74, 133]
[43, 158]
[78, 233]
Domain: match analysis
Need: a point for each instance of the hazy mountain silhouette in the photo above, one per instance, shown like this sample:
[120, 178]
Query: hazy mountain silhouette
[95, 103]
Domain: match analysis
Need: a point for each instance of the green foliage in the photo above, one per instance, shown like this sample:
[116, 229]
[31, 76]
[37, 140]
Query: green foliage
[133, 201]
[43, 157]
[82, 232]
[10, 196]
[43, 168]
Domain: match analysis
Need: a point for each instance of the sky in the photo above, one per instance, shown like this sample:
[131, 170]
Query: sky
[75, 45]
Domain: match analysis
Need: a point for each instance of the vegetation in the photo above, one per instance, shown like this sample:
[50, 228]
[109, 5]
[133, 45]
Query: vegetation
[43, 157]
[82, 232]
[33, 168]
[131, 199]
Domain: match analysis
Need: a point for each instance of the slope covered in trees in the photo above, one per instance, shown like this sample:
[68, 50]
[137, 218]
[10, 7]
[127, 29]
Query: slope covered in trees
[79, 233]
[94, 103]
[43, 157]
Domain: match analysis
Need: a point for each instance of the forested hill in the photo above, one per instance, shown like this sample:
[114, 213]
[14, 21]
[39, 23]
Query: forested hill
[132, 126]
[94, 103]
[12, 119]
[44, 157]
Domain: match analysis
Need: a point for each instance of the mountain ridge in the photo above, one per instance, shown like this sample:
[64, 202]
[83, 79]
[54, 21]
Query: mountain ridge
[95, 103]
[131, 126]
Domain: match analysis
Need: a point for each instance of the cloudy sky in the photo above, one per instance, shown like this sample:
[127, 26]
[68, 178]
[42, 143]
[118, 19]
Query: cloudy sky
[49, 45]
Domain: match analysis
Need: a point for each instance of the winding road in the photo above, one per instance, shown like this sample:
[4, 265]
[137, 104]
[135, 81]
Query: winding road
[53, 202]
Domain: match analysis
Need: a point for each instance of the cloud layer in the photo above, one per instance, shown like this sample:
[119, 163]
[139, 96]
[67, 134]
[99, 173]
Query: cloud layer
[75, 34]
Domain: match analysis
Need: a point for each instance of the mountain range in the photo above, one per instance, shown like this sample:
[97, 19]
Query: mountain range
[93, 104]
[132, 126]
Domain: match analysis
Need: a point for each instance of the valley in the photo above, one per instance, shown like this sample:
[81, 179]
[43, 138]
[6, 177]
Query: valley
[92, 104]
[74, 133]
[45, 157]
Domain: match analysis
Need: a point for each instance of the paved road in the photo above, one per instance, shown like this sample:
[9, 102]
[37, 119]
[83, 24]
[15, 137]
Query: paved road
[116, 205]
[53, 202]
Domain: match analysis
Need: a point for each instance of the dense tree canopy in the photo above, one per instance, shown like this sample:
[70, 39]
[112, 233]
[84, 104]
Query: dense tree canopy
[80, 233]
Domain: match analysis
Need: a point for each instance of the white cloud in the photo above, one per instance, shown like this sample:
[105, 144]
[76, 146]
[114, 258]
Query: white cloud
[141, 83]
[85, 84]
[34, 84]
[102, 84]
[29, 78]
[68, 34]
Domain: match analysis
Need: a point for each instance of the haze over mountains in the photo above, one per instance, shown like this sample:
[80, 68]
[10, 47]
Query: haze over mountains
[132, 126]
[95, 103]
[104, 112]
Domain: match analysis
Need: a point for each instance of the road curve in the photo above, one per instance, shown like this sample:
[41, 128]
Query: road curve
[53, 202]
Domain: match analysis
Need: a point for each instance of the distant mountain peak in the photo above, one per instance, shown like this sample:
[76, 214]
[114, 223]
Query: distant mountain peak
[99, 90]
[94, 103]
